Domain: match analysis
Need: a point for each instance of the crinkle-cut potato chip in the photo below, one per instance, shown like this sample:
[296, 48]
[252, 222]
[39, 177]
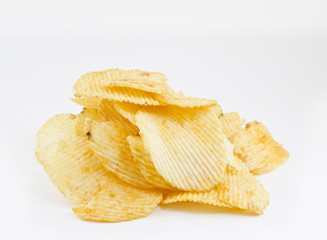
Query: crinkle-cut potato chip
[109, 144]
[120, 94]
[109, 112]
[182, 101]
[209, 197]
[88, 102]
[143, 161]
[231, 123]
[117, 201]
[128, 110]
[255, 146]
[96, 84]
[241, 189]
[153, 82]
[186, 145]
[82, 117]
[67, 159]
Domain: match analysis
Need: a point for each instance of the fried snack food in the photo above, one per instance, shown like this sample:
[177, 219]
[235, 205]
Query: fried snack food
[186, 145]
[68, 160]
[255, 146]
[117, 201]
[137, 143]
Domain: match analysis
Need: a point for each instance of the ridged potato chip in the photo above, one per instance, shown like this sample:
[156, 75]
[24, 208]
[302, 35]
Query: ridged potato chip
[109, 144]
[88, 102]
[255, 146]
[231, 123]
[143, 161]
[241, 189]
[117, 201]
[82, 117]
[187, 146]
[67, 159]
[153, 82]
[209, 197]
[181, 101]
[109, 112]
[111, 84]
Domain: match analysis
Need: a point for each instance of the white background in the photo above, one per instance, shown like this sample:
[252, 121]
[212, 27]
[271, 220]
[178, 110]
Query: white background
[265, 59]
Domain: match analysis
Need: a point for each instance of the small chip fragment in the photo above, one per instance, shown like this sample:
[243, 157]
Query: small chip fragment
[88, 102]
[118, 201]
[231, 123]
[241, 189]
[255, 146]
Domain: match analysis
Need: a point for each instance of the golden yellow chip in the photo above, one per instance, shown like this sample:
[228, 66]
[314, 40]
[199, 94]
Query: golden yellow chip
[255, 146]
[210, 197]
[181, 101]
[186, 145]
[118, 201]
[113, 84]
[241, 189]
[67, 159]
[153, 82]
[231, 123]
[87, 113]
[88, 102]
[143, 161]
[109, 144]
[108, 112]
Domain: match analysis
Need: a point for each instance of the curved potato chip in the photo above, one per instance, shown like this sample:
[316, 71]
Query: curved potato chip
[241, 189]
[231, 123]
[97, 84]
[67, 159]
[181, 101]
[81, 128]
[128, 110]
[255, 146]
[142, 80]
[109, 144]
[108, 112]
[120, 94]
[186, 145]
[88, 102]
[209, 197]
[118, 201]
[143, 161]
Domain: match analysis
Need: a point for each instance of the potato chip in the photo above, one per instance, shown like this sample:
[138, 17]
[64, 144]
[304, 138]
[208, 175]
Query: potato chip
[67, 159]
[113, 84]
[255, 146]
[182, 101]
[109, 144]
[153, 82]
[241, 189]
[88, 102]
[231, 123]
[143, 161]
[209, 197]
[118, 201]
[187, 146]
[108, 112]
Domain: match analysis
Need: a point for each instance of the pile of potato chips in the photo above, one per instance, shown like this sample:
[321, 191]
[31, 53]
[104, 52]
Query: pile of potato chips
[137, 143]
